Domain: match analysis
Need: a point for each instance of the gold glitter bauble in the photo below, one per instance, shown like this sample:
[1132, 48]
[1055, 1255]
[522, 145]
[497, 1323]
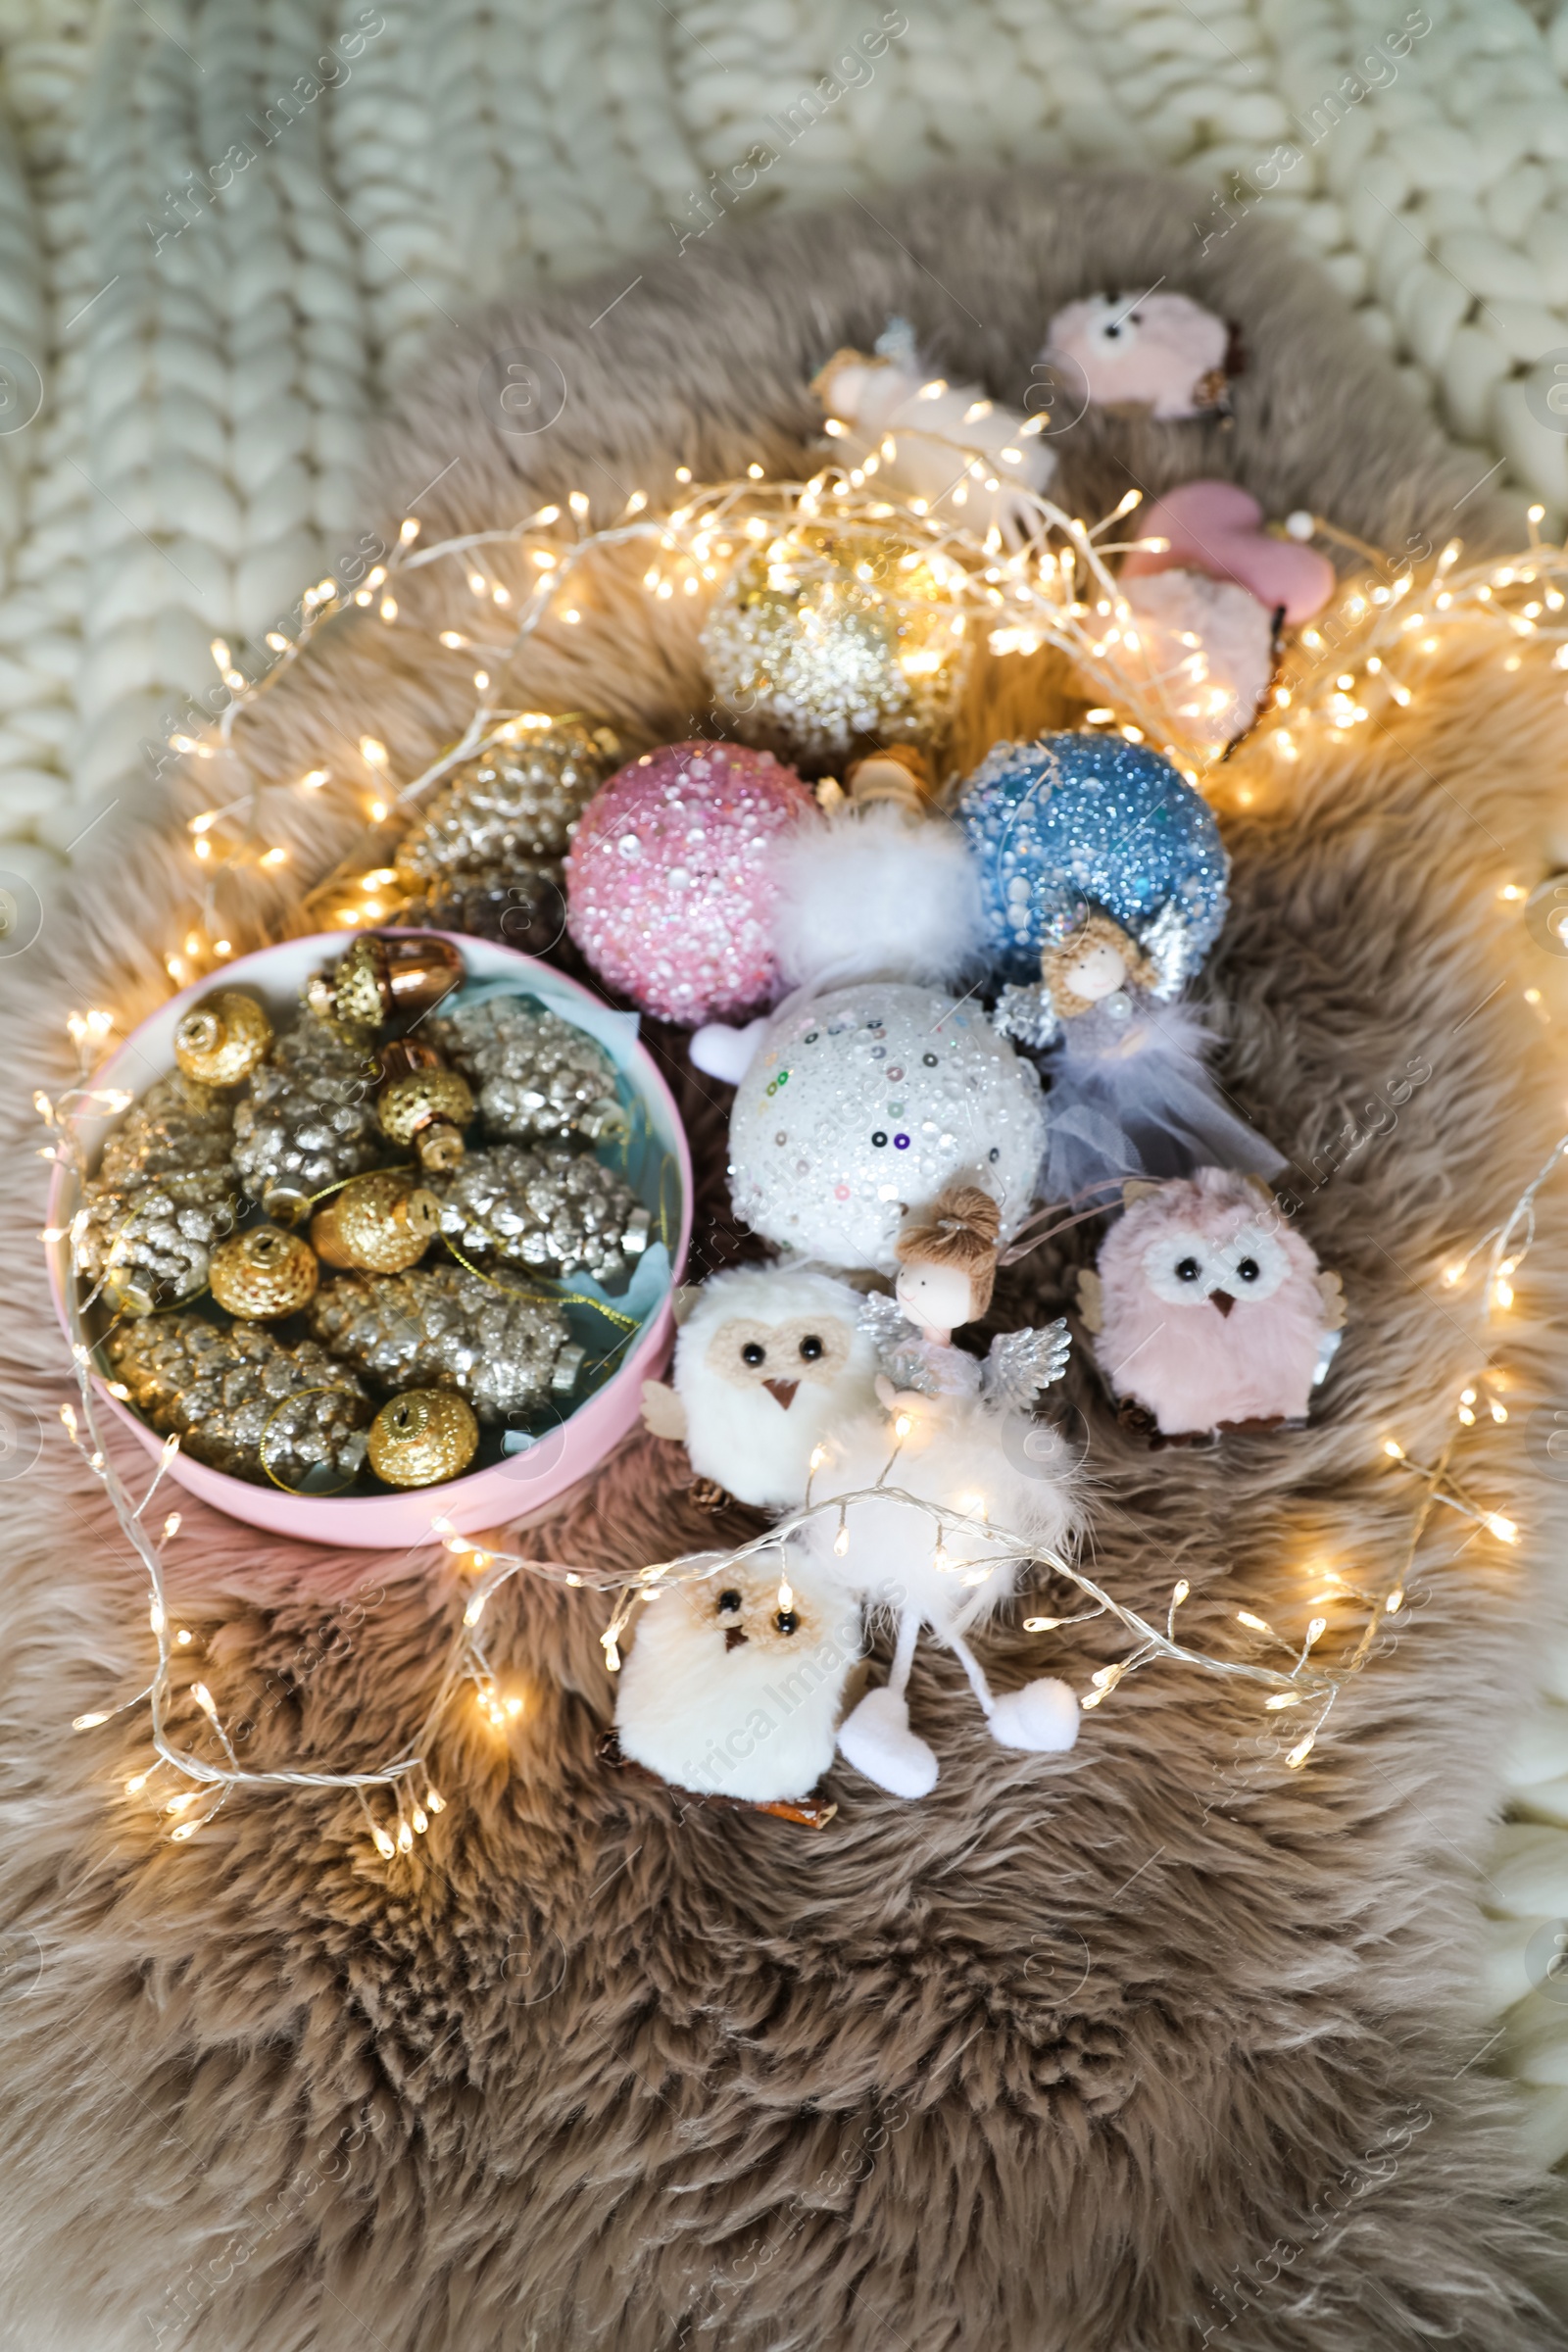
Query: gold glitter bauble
[423, 1437]
[222, 1040]
[378, 1224]
[517, 804]
[827, 637]
[263, 1274]
[428, 1109]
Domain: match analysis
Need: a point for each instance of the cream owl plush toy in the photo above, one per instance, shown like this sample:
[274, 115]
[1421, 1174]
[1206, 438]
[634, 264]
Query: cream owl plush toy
[734, 1687]
[1208, 1311]
[769, 1360]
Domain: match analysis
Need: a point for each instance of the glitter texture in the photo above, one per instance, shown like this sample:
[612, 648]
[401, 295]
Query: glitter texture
[178, 1135]
[825, 636]
[308, 1121]
[1084, 823]
[149, 1247]
[670, 892]
[516, 805]
[441, 1327]
[864, 1104]
[534, 1073]
[231, 1395]
[553, 1212]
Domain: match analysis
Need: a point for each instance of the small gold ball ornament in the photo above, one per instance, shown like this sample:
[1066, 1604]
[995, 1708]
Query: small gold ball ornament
[220, 1041]
[423, 1437]
[263, 1274]
[382, 1223]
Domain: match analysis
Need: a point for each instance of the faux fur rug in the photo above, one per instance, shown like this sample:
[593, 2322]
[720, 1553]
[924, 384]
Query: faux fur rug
[1149, 2046]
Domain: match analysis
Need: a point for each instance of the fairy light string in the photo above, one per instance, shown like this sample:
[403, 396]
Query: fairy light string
[1363, 656]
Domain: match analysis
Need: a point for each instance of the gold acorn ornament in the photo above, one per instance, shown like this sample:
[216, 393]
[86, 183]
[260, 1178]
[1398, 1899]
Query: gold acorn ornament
[832, 634]
[424, 1104]
[222, 1040]
[382, 1223]
[263, 1274]
[423, 1437]
[382, 974]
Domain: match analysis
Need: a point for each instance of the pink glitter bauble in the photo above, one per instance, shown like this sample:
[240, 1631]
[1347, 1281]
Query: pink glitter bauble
[669, 890]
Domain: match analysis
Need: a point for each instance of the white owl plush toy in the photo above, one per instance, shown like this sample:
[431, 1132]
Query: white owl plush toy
[1208, 1311]
[770, 1359]
[734, 1687]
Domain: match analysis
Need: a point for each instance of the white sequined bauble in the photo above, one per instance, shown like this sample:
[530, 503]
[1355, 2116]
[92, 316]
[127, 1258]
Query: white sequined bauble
[861, 1104]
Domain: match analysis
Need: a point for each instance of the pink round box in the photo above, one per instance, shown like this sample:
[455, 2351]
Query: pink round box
[517, 1488]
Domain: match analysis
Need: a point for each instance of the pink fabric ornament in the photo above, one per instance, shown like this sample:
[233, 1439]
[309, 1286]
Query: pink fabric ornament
[1217, 528]
[1208, 1310]
[670, 888]
[1160, 352]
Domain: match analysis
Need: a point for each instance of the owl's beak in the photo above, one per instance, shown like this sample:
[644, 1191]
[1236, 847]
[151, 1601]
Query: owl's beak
[1222, 1299]
[782, 1391]
[733, 1637]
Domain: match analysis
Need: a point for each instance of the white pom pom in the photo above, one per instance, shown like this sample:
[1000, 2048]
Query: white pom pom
[1041, 1717]
[873, 895]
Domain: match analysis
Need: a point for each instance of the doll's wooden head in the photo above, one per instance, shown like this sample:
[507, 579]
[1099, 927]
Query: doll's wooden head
[947, 1259]
[1091, 963]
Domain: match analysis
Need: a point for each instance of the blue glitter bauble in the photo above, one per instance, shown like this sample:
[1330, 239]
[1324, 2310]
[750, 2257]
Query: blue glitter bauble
[1092, 823]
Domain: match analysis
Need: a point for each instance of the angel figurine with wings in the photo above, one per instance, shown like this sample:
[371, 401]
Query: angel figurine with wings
[961, 1438]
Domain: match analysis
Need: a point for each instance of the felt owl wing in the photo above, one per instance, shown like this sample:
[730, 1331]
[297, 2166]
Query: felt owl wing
[1023, 1363]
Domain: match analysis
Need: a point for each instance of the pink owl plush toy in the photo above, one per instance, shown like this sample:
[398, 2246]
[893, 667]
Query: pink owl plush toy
[1207, 1311]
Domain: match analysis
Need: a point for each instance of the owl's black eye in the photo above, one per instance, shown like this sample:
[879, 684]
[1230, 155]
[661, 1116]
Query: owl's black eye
[811, 1347]
[787, 1620]
[1188, 1269]
[753, 1353]
[728, 1603]
[1249, 1269]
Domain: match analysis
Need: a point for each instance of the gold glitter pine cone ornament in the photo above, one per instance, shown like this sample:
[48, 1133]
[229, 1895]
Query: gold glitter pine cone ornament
[442, 1327]
[423, 1437]
[516, 805]
[263, 1274]
[552, 1213]
[537, 1075]
[224, 1039]
[422, 1104]
[381, 1223]
[827, 636]
[241, 1401]
[178, 1135]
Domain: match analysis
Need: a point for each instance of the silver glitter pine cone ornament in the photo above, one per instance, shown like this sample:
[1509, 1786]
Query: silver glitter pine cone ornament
[178, 1135]
[828, 636]
[147, 1248]
[243, 1403]
[310, 1120]
[516, 805]
[440, 1327]
[536, 1076]
[552, 1212]
[163, 1195]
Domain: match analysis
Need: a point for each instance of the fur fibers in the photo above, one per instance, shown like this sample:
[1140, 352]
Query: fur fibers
[875, 895]
[961, 1453]
[1148, 2045]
